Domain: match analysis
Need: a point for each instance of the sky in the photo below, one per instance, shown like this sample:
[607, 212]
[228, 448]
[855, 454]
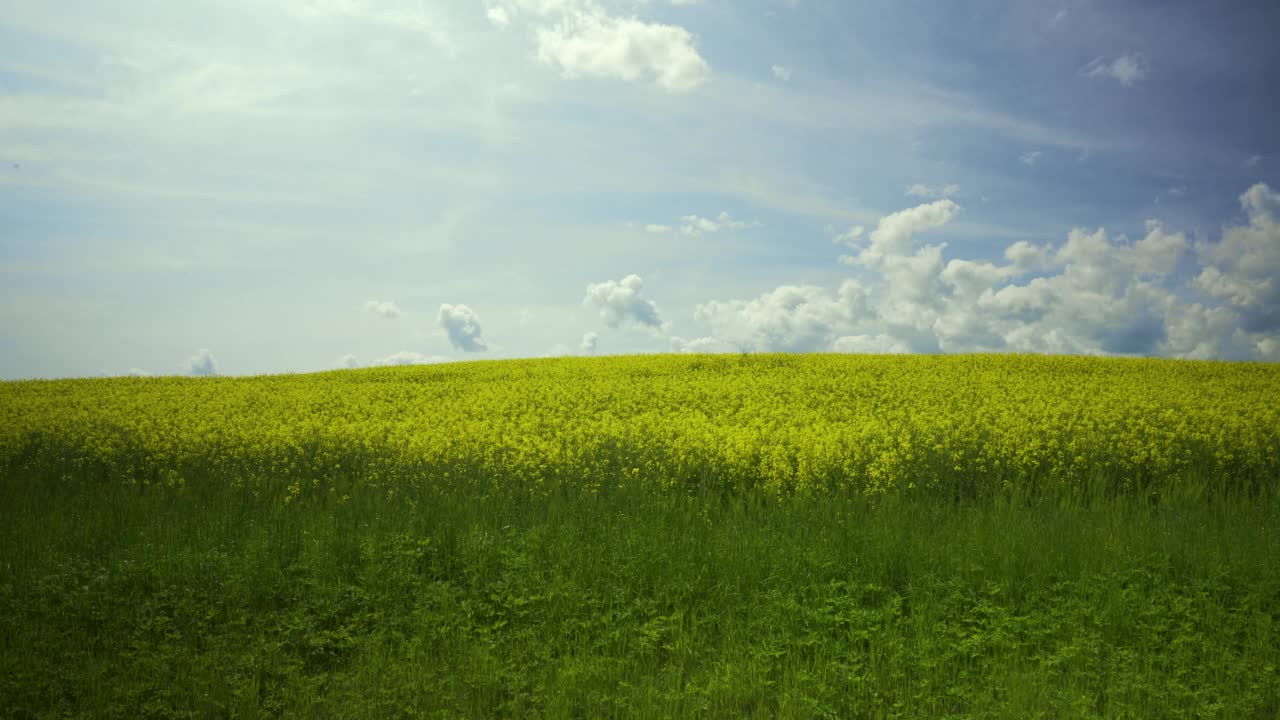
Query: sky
[240, 187]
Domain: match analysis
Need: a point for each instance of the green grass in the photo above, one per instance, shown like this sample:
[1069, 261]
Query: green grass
[209, 602]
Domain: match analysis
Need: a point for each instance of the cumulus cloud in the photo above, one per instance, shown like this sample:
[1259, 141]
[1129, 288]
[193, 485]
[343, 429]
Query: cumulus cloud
[657, 229]
[802, 318]
[892, 237]
[202, 364]
[382, 308]
[1104, 296]
[1243, 270]
[790, 318]
[463, 327]
[582, 39]
[911, 277]
[693, 225]
[619, 303]
[1093, 293]
[347, 361]
[1126, 69]
[589, 342]
[1025, 256]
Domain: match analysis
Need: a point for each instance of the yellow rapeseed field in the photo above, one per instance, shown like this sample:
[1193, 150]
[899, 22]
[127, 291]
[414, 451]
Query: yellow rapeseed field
[790, 424]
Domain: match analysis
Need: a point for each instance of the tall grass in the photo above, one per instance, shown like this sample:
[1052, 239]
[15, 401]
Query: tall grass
[126, 602]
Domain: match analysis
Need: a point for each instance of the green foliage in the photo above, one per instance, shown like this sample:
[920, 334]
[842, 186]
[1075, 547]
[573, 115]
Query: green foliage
[117, 603]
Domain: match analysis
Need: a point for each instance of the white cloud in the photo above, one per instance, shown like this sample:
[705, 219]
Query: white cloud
[694, 225]
[1268, 349]
[619, 303]
[138, 372]
[201, 364]
[1106, 297]
[1253, 161]
[1127, 69]
[781, 73]
[911, 279]
[1030, 157]
[850, 236]
[790, 318]
[407, 357]
[870, 344]
[589, 342]
[1231, 287]
[382, 308]
[893, 236]
[583, 40]
[969, 279]
[1093, 294]
[920, 190]
[657, 229]
[499, 16]
[700, 345]
[1243, 270]
[463, 327]
[347, 361]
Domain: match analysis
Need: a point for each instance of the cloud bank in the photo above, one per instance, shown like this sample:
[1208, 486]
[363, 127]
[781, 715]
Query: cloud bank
[1093, 294]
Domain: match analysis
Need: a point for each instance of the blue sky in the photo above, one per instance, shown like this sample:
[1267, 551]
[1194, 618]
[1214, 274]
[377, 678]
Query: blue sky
[255, 186]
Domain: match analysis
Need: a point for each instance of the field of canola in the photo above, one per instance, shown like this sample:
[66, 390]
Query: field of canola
[963, 425]
[721, 536]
